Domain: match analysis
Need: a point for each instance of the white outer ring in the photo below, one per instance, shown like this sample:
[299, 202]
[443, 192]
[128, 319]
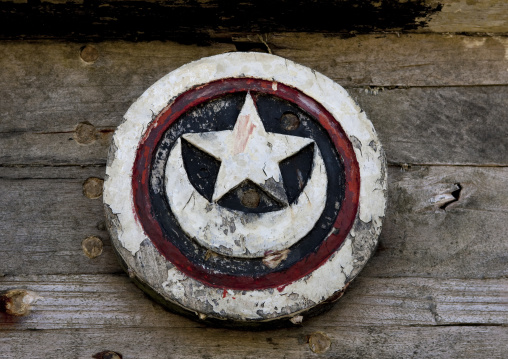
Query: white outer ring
[326, 280]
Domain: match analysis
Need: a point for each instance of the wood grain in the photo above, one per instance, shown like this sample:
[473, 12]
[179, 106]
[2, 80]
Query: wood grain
[398, 59]
[436, 287]
[47, 96]
[459, 125]
[201, 20]
[46, 216]
[474, 16]
[346, 342]
[105, 301]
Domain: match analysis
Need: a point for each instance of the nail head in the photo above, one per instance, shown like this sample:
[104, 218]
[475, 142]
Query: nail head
[319, 342]
[92, 187]
[92, 246]
[89, 54]
[84, 133]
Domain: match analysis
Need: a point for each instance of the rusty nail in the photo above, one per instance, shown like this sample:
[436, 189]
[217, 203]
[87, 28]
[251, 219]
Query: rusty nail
[319, 342]
[89, 54]
[289, 121]
[92, 246]
[92, 187]
[107, 354]
[250, 198]
[84, 133]
[17, 302]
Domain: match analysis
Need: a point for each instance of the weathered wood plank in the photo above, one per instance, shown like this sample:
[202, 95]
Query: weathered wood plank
[466, 239]
[47, 95]
[346, 342]
[57, 81]
[469, 16]
[112, 301]
[398, 60]
[467, 125]
[56, 89]
[441, 125]
[45, 217]
[195, 21]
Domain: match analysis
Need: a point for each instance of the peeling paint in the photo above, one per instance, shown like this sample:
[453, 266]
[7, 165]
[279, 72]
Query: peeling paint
[288, 300]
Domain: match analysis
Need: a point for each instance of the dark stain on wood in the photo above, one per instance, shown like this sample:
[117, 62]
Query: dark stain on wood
[191, 23]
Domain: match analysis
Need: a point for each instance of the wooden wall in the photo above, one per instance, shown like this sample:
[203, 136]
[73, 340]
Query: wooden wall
[436, 91]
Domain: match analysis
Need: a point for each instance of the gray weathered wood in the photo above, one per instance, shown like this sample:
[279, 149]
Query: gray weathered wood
[47, 95]
[346, 342]
[45, 217]
[459, 125]
[437, 285]
[466, 239]
[59, 81]
[102, 301]
[441, 125]
[489, 16]
[398, 60]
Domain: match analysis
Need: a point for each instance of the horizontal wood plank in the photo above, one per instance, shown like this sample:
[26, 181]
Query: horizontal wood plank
[346, 342]
[45, 216]
[48, 95]
[465, 239]
[57, 80]
[398, 60]
[467, 126]
[489, 16]
[202, 20]
[112, 301]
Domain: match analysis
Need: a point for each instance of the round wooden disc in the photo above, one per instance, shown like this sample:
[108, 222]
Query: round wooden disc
[244, 188]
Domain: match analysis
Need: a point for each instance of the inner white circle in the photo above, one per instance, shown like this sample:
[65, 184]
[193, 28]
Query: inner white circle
[236, 233]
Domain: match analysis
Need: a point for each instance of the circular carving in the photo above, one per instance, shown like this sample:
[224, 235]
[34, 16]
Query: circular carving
[245, 187]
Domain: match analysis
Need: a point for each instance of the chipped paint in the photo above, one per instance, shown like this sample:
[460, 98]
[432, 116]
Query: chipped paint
[257, 304]
[254, 234]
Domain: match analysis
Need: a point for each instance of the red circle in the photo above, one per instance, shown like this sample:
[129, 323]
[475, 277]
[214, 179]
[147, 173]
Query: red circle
[168, 116]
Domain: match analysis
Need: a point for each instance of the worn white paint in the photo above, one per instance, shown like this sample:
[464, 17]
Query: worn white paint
[240, 234]
[263, 304]
[248, 152]
[311, 290]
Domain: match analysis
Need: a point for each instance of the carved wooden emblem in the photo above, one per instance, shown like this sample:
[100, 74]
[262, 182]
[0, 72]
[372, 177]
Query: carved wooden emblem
[244, 187]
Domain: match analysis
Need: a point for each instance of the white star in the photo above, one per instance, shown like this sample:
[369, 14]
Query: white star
[248, 152]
